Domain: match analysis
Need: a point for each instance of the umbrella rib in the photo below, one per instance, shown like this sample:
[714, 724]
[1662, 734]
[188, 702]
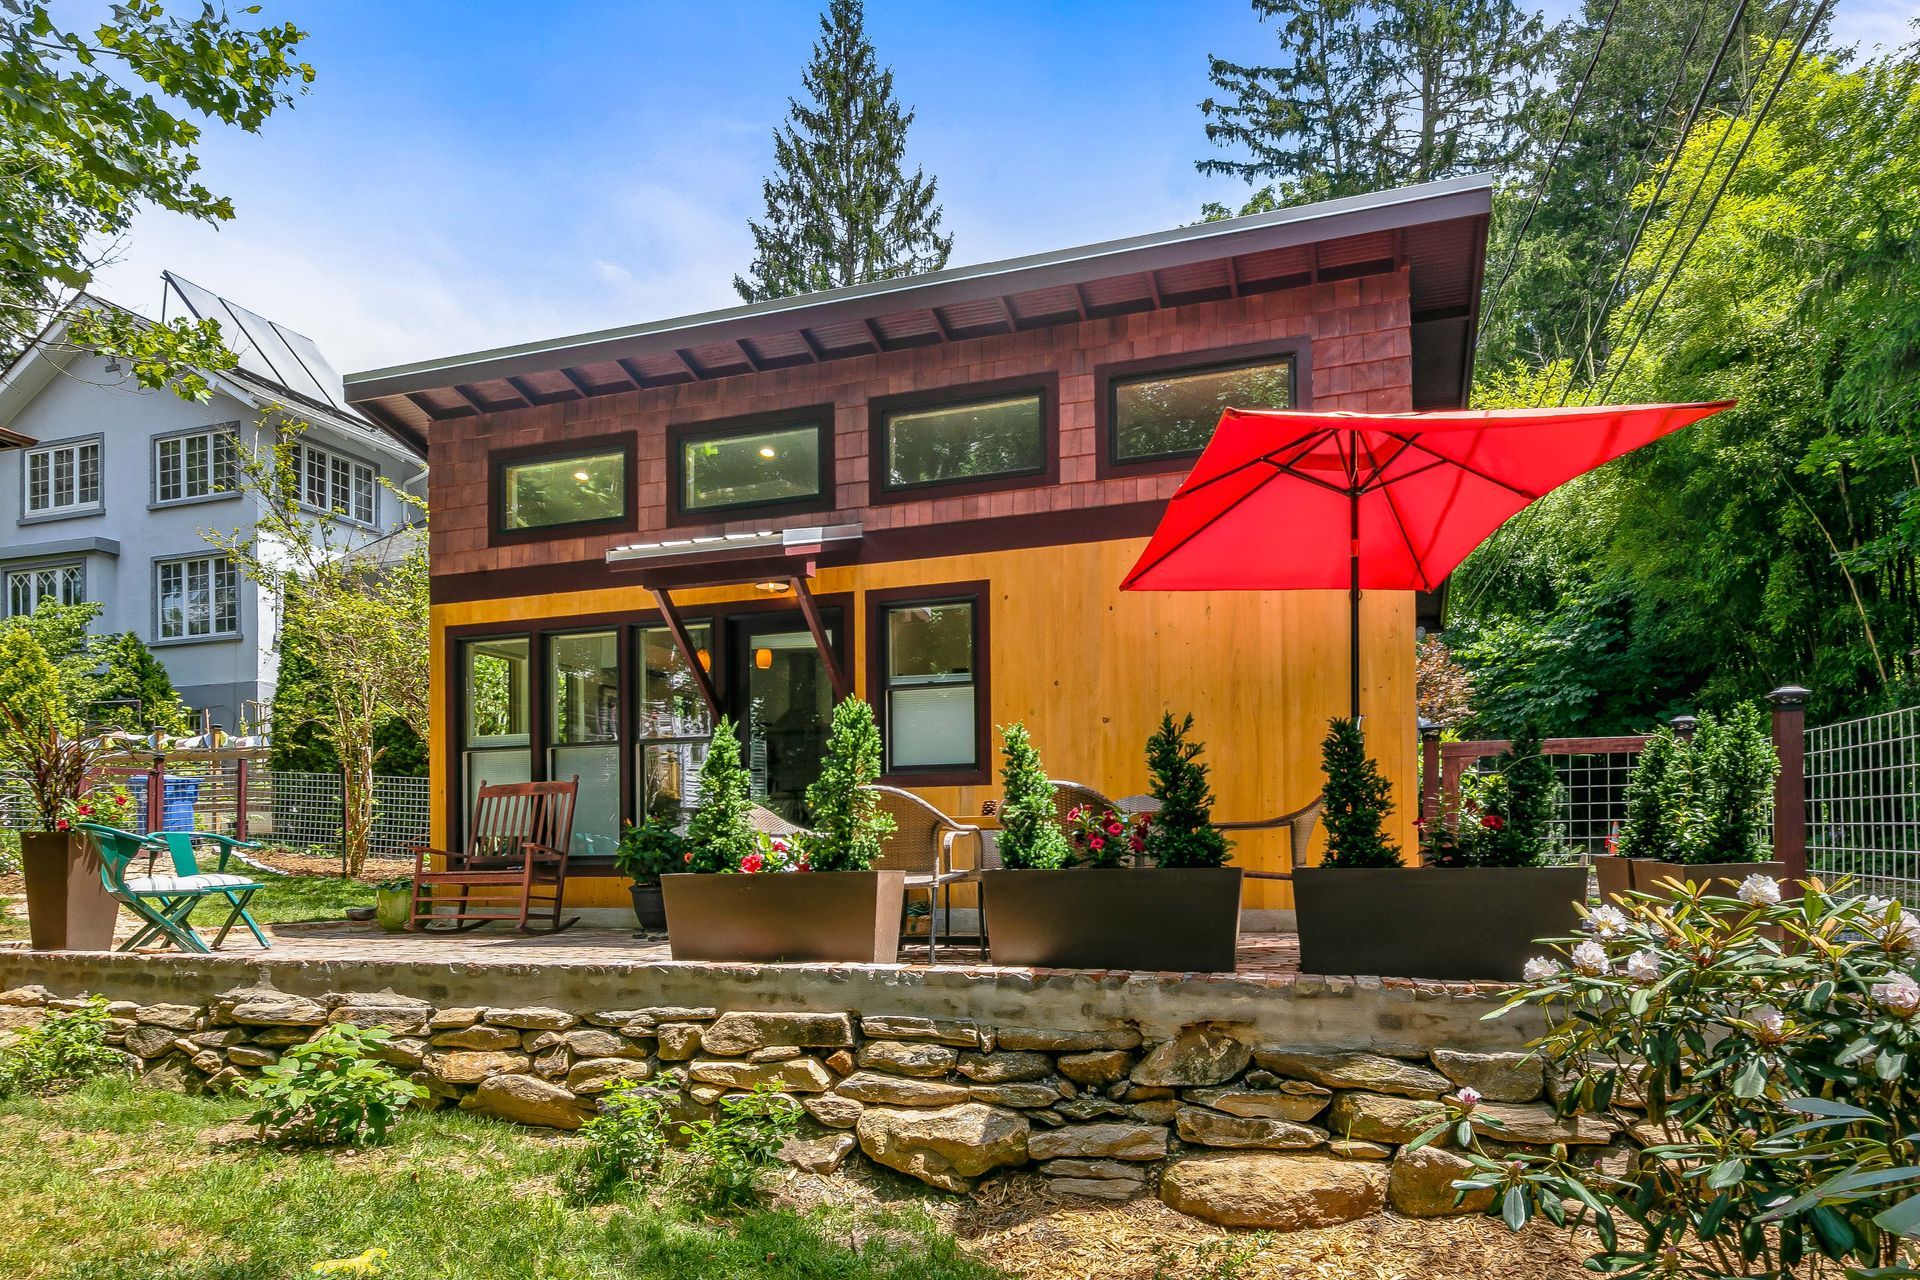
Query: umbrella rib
[1267, 458]
[1386, 494]
[1373, 476]
[1475, 472]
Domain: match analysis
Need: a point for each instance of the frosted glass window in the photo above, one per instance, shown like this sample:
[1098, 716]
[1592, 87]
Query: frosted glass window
[931, 686]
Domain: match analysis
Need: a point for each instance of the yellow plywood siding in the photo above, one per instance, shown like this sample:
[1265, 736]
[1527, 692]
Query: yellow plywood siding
[1090, 669]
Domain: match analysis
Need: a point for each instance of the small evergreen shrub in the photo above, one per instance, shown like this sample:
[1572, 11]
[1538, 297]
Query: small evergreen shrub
[67, 1048]
[1357, 801]
[1030, 839]
[846, 819]
[332, 1090]
[1655, 798]
[1705, 799]
[1181, 833]
[719, 836]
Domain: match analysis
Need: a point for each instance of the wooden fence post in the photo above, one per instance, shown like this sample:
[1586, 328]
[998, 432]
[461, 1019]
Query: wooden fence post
[1429, 771]
[240, 798]
[156, 795]
[1790, 787]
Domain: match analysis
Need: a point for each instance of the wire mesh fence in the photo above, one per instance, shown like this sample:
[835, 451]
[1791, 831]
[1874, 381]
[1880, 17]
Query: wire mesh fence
[1863, 801]
[1589, 802]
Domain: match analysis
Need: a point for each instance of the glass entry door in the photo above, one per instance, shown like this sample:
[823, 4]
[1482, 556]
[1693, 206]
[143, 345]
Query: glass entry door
[782, 698]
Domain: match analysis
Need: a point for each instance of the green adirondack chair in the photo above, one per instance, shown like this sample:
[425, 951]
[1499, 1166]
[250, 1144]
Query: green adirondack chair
[186, 866]
[164, 903]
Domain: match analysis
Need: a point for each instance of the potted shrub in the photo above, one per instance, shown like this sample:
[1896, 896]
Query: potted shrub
[393, 903]
[1651, 814]
[1472, 913]
[648, 851]
[742, 895]
[1700, 813]
[1070, 900]
[68, 906]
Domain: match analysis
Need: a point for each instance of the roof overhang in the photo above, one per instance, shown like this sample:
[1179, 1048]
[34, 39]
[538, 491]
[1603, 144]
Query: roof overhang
[1437, 230]
[775, 555]
[10, 439]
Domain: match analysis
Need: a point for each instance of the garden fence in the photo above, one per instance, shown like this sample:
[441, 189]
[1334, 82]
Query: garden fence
[1863, 801]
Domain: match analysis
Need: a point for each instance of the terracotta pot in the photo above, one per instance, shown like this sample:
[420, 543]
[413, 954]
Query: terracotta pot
[1614, 875]
[1723, 877]
[846, 917]
[1185, 920]
[392, 907]
[68, 908]
[649, 907]
[1452, 923]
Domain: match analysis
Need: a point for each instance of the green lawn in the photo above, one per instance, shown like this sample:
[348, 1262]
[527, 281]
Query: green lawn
[290, 898]
[113, 1183]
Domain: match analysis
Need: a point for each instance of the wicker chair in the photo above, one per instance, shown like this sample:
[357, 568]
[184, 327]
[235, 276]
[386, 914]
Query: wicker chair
[1300, 822]
[922, 846]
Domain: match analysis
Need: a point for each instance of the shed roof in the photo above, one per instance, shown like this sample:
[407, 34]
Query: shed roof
[1437, 229]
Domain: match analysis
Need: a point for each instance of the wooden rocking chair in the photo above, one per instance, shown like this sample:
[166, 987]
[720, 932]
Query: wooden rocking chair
[516, 858]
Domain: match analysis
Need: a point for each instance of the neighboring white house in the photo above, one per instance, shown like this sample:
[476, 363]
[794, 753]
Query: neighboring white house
[107, 489]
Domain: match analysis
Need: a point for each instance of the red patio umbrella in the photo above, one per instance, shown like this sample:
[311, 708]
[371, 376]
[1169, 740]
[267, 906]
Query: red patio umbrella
[1282, 500]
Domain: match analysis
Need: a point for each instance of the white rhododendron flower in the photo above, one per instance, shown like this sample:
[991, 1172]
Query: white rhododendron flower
[1643, 966]
[1540, 969]
[1609, 922]
[1771, 1022]
[1874, 906]
[1759, 891]
[1904, 935]
[1469, 1098]
[1591, 958]
[1899, 994]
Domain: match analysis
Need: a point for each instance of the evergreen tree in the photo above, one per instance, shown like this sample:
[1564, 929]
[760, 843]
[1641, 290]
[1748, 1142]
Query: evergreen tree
[1655, 799]
[1735, 765]
[719, 834]
[137, 682]
[1182, 832]
[1030, 837]
[840, 207]
[1356, 802]
[1366, 96]
[30, 690]
[847, 822]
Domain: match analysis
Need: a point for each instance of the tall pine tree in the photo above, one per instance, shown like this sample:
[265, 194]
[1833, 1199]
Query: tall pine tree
[841, 209]
[1371, 94]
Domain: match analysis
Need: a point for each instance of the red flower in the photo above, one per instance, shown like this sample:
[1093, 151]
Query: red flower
[1073, 814]
[60, 824]
[1139, 842]
[803, 866]
[1114, 828]
[688, 857]
[752, 863]
[1097, 842]
[779, 846]
[84, 810]
[1493, 822]
[1419, 822]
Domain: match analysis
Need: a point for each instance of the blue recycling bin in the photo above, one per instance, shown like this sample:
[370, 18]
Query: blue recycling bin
[178, 796]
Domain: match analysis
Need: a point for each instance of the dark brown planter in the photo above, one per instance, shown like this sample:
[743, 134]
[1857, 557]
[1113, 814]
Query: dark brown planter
[846, 917]
[649, 907]
[68, 908]
[1614, 875]
[1722, 877]
[1179, 921]
[1454, 923]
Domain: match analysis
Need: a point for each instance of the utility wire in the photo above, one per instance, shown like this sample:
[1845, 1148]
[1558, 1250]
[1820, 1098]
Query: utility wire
[1793, 60]
[1553, 158]
[1591, 321]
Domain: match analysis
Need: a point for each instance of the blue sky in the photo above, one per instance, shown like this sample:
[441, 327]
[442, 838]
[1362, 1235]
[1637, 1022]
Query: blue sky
[467, 175]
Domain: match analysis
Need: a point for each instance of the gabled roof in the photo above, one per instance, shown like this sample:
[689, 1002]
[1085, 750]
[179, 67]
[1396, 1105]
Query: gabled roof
[1438, 230]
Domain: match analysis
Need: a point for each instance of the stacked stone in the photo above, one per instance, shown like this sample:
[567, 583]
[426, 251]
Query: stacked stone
[1239, 1133]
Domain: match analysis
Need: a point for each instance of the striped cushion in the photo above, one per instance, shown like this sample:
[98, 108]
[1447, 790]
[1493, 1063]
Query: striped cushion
[189, 884]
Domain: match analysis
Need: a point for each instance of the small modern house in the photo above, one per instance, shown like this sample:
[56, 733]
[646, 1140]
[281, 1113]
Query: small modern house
[923, 491]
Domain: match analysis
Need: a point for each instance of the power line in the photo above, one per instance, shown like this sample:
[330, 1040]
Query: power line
[1553, 157]
[1793, 60]
[1646, 152]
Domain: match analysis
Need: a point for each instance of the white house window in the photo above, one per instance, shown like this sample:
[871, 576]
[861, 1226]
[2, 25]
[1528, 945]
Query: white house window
[330, 482]
[197, 597]
[193, 466]
[27, 589]
[63, 477]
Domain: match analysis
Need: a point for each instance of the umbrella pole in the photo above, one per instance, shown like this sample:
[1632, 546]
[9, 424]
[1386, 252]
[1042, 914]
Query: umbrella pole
[1353, 604]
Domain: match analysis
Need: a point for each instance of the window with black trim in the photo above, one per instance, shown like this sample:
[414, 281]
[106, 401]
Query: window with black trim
[553, 492]
[929, 685]
[974, 440]
[769, 463]
[1171, 413]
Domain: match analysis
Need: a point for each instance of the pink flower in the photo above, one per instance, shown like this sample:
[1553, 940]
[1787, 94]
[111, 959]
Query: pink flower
[1073, 814]
[1493, 822]
[1097, 843]
[1114, 828]
[752, 863]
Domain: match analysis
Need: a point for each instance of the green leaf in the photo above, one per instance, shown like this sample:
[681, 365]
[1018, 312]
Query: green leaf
[1727, 1173]
[1903, 1219]
[1752, 1080]
[1514, 1209]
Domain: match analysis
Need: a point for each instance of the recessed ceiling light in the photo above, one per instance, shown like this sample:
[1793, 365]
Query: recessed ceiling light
[766, 451]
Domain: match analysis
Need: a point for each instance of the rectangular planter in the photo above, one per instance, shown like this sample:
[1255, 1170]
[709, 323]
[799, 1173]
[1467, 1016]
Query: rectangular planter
[1185, 920]
[1454, 923]
[68, 907]
[1613, 876]
[1722, 877]
[847, 917]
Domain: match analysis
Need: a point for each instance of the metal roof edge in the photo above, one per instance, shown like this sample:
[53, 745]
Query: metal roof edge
[1466, 196]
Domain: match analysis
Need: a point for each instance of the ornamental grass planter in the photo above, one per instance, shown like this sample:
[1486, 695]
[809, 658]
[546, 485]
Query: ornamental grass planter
[794, 917]
[68, 906]
[1183, 920]
[1447, 923]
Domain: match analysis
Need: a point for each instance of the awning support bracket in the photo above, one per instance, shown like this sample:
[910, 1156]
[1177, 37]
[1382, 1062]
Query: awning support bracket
[810, 609]
[702, 678]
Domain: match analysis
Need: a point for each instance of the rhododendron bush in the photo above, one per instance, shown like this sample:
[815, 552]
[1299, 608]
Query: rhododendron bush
[1761, 1054]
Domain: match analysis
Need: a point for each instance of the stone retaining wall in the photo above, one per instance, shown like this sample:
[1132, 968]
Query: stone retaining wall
[1217, 1117]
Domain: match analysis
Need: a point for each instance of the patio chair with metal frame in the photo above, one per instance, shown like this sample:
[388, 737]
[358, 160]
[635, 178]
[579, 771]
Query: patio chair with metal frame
[922, 845]
[163, 903]
[179, 846]
[1300, 823]
[516, 853]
